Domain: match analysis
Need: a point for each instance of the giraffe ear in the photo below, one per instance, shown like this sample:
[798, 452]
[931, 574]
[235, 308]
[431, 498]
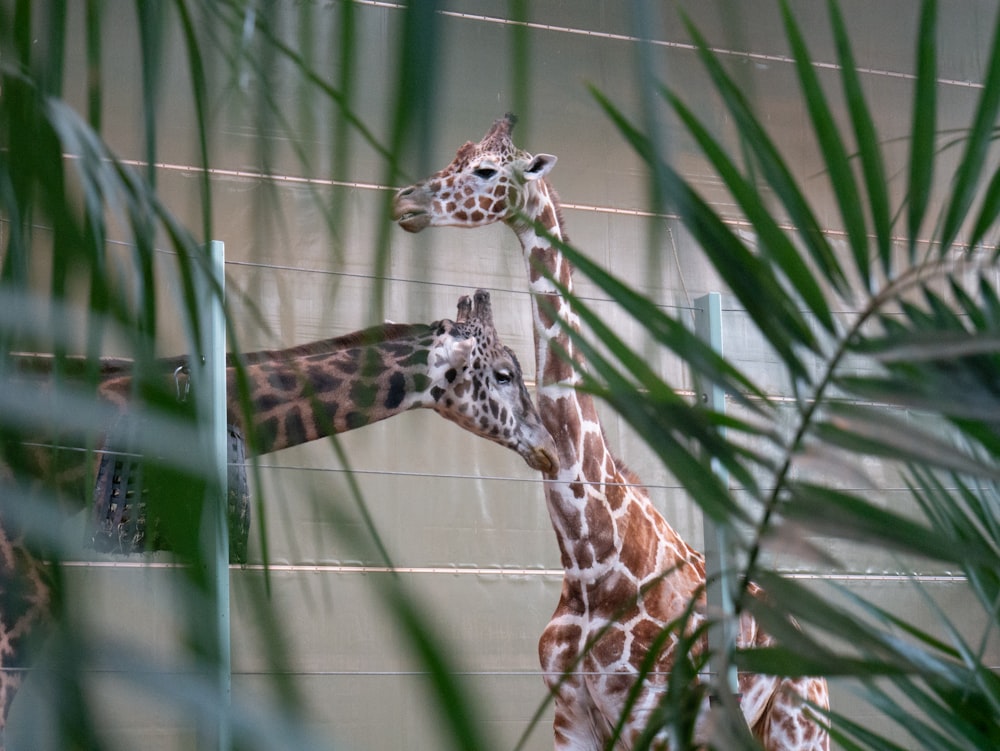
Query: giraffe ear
[539, 166]
[460, 352]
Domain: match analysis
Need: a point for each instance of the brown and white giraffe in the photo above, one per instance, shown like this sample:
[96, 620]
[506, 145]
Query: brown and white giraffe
[460, 369]
[627, 574]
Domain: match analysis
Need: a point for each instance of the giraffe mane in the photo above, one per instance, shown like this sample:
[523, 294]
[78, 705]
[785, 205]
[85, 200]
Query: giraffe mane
[73, 365]
[77, 366]
[557, 202]
[372, 335]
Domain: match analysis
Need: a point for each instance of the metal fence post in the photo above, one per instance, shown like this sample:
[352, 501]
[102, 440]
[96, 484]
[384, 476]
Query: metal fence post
[718, 557]
[211, 400]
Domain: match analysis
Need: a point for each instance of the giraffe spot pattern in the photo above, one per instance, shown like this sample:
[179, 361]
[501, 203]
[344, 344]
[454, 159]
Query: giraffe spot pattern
[295, 427]
[283, 380]
[364, 395]
[267, 402]
[415, 359]
[355, 420]
[397, 390]
[349, 367]
[548, 217]
[421, 382]
[266, 433]
[322, 380]
[601, 528]
[609, 648]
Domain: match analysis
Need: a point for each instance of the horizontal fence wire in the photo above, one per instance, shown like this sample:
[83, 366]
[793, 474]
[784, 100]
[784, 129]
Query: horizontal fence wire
[668, 44]
[445, 476]
[501, 571]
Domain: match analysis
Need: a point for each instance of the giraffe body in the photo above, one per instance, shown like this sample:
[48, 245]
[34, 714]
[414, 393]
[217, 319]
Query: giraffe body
[627, 574]
[460, 369]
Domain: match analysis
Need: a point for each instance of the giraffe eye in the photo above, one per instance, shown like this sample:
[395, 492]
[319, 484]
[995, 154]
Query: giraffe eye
[484, 173]
[503, 376]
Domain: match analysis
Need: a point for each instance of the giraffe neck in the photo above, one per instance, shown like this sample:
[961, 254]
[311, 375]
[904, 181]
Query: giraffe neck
[296, 395]
[545, 263]
[304, 394]
[623, 563]
[590, 483]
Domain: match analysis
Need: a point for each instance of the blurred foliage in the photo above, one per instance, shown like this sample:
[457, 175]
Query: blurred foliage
[926, 328]
[925, 338]
[69, 205]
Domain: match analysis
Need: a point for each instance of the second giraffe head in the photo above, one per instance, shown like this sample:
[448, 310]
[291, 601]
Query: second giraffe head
[477, 382]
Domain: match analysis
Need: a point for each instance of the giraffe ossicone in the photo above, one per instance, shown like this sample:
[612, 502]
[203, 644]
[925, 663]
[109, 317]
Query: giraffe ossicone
[628, 576]
[457, 368]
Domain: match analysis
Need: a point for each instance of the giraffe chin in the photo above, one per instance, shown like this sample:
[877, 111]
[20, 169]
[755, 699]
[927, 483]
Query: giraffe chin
[543, 460]
[413, 221]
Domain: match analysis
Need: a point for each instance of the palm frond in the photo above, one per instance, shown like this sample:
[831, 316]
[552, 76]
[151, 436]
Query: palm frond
[910, 379]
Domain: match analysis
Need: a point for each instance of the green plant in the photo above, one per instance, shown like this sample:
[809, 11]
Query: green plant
[89, 247]
[926, 329]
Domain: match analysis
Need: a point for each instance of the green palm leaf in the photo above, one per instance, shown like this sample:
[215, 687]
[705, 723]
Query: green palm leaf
[866, 139]
[966, 187]
[923, 338]
[773, 167]
[773, 242]
[832, 147]
[923, 125]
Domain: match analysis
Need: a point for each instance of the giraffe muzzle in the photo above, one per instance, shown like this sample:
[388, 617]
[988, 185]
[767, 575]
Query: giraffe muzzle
[408, 210]
[413, 221]
[543, 459]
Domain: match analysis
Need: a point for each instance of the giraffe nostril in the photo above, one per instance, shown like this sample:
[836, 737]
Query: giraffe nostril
[403, 193]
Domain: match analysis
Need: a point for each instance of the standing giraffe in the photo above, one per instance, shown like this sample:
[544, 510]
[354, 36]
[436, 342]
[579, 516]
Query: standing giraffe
[627, 574]
[460, 369]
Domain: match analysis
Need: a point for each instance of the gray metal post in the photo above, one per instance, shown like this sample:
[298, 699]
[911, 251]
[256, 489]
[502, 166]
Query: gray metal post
[718, 558]
[211, 400]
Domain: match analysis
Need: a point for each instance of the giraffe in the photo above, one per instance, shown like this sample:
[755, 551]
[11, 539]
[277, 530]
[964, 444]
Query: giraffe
[457, 368]
[627, 574]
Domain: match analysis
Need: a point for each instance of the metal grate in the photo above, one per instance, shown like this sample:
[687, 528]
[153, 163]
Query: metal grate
[127, 488]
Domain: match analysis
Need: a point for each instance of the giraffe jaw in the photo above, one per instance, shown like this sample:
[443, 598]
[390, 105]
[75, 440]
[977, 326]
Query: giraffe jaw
[543, 459]
[413, 221]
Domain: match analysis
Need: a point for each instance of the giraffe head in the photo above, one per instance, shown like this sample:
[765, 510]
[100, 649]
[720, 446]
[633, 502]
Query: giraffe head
[477, 383]
[484, 184]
